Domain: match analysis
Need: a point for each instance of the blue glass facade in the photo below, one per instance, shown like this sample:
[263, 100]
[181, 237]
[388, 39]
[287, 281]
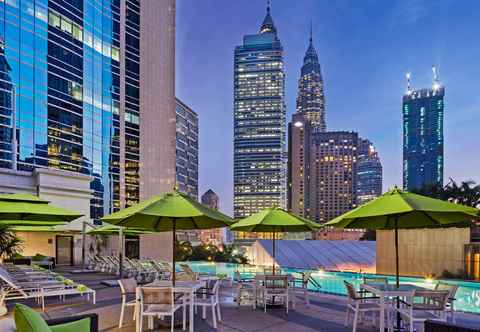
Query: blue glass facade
[259, 122]
[65, 61]
[423, 137]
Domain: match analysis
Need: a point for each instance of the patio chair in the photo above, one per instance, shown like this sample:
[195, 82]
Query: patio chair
[188, 270]
[244, 286]
[375, 280]
[127, 288]
[423, 305]
[162, 272]
[359, 304]
[300, 285]
[452, 291]
[159, 302]
[275, 286]
[208, 297]
[25, 315]
[269, 270]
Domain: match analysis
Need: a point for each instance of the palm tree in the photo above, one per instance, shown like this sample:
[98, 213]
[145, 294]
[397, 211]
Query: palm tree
[466, 193]
[10, 244]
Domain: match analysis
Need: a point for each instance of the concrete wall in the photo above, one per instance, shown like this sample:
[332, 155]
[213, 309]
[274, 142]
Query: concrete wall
[422, 252]
[65, 189]
[157, 107]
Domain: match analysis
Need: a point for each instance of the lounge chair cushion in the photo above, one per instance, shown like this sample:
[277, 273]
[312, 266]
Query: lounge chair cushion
[28, 320]
[82, 325]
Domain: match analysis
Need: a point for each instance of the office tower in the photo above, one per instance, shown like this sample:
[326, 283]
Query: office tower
[423, 135]
[311, 98]
[88, 75]
[369, 172]
[298, 189]
[215, 236]
[332, 174]
[259, 122]
[187, 149]
[309, 117]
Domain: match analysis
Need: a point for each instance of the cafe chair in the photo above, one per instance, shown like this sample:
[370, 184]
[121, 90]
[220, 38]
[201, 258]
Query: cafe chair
[452, 291]
[424, 305]
[209, 297]
[245, 287]
[159, 302]
[275, 286]
[127, 288]
[359, 304]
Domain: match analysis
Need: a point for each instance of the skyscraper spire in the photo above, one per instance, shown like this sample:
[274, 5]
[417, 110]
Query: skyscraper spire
[436, 80]
[311, 32]
[268, 26]
[311, 98]
[409, 88]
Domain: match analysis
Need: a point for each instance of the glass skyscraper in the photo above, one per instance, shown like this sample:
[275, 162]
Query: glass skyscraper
[74, 68]
[187, 149]
[259, 122]
[423, 136]
[368, 172]
[311, 98]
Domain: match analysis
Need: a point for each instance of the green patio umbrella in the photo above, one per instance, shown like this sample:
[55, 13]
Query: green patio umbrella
[31, 223]
[31, 208]
[397, 209]
[108, 229]
[274, 220]
[30, 228]
[169, 212]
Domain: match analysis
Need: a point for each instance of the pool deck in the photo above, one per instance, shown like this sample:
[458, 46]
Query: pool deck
[325, 313]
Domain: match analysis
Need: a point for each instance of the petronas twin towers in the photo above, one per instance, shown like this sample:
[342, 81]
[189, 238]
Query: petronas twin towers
[260, 165]
[311, 98]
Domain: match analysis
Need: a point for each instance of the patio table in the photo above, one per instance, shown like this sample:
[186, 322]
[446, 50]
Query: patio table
[385, 291]
[188, 288]
[260, 277]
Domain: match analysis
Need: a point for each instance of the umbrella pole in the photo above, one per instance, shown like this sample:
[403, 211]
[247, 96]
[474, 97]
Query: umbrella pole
[84, 226]
[273, 263]
[120, 252]
[397, 274]
[173, 250]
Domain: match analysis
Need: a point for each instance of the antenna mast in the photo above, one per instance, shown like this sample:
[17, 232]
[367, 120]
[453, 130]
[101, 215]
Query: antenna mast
[409, 88]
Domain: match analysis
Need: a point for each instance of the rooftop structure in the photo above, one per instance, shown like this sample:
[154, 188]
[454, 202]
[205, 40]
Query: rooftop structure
[423, 112]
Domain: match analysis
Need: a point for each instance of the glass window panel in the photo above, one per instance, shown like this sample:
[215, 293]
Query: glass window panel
[76, 91]
[54, 19]
[41, 13]
[97, 45]
[115, 53]
[88, 38]
[77, 32]
[66, 25]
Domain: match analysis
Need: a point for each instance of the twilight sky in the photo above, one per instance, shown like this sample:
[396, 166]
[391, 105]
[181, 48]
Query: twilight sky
[365, 49]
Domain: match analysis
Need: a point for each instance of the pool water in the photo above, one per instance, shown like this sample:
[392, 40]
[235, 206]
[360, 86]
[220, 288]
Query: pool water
[467, 297]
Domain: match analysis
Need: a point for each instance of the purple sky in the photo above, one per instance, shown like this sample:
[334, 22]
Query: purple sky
[365, 49]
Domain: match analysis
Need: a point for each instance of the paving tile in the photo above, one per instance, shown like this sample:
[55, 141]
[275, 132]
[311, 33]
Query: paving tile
[325, 313]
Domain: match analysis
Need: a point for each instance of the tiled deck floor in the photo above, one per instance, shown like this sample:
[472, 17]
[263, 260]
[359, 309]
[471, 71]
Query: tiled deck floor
[325, 313]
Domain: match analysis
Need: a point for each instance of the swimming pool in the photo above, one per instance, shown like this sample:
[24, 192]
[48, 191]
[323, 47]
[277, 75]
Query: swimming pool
[468, 294]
